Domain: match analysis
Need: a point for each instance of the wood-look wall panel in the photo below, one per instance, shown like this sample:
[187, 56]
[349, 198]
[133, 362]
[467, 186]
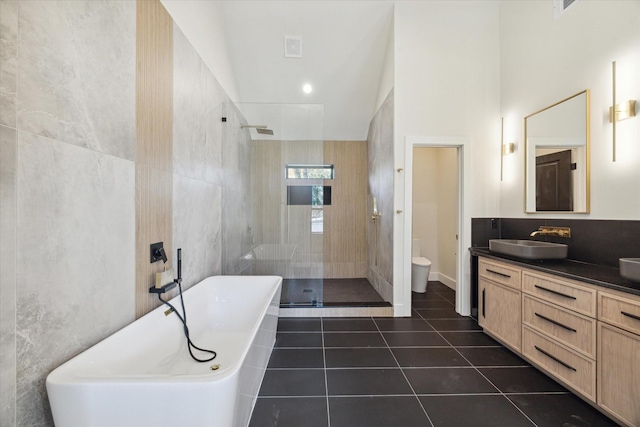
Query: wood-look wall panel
[154, 145]
[154, 85]
[154, 198]
[345, 221]
[341, 251]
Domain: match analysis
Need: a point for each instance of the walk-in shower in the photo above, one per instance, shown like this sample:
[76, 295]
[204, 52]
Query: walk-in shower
[307, 199]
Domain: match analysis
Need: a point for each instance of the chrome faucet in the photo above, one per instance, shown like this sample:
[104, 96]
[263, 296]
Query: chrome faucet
[552, 231]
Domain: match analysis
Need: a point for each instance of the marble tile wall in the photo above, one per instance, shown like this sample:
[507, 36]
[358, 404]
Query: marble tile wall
[83, 53]
[75, 258]
[197, 228]
[237, 218]
[197, 147]
[67, 106]
[380, 233]
[8, 158]
[212, 171]
[196, 221]
[8, 151]
[8, 61]
[68, 180]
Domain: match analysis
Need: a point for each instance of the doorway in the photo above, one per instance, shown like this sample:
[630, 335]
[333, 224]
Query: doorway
[463, 223]
[434, 228]
[554, 189]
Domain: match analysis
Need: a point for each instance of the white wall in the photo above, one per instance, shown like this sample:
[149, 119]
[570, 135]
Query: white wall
[425, 203]
[447, 214]
[203, 25]
[441, 94]
[435, 209]
[387, 76]
[544, 60]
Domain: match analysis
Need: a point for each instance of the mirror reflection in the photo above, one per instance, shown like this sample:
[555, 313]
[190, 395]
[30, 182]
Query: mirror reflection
[557, 157]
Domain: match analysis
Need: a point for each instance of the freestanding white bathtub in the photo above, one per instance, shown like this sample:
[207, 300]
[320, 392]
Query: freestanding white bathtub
[143, 375]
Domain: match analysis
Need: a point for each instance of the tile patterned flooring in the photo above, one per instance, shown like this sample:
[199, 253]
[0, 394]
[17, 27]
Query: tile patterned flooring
[434, 369]
[329, 292]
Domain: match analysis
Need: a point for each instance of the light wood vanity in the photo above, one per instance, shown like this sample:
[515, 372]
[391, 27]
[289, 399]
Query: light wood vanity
[585, 336]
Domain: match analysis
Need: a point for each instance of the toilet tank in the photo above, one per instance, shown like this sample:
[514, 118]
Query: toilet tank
[415, 248]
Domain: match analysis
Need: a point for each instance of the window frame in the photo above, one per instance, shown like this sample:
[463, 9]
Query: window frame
[292, 166]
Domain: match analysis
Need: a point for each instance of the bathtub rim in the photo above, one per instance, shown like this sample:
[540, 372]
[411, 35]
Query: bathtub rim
[64, 373]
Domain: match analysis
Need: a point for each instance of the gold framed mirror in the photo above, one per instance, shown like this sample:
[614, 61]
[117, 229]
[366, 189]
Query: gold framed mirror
[557, 157]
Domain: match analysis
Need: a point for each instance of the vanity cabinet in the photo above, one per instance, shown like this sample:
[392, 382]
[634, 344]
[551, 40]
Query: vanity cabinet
[499, 301]
[559, 329]
[619, 355]
[585, 336]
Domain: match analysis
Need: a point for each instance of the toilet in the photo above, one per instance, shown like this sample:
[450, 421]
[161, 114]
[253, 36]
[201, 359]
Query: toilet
[420, 267]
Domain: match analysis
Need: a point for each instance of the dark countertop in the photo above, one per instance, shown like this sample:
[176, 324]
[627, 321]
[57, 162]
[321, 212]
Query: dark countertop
[607, 277]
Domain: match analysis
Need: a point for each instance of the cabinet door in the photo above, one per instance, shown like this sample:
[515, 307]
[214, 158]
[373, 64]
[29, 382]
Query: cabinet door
[619, 373]
[500, 312]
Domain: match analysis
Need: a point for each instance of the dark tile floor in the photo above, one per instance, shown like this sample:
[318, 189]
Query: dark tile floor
[434, 369]
[329, 293]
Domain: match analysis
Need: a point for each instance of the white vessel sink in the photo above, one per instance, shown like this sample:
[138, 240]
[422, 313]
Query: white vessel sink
[630, 269]
[528, 249]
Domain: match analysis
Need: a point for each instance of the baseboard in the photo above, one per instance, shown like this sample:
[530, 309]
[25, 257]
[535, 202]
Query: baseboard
[445, 280]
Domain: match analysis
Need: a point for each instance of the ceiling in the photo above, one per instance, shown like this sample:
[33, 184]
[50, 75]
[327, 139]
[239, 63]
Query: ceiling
[343, 53]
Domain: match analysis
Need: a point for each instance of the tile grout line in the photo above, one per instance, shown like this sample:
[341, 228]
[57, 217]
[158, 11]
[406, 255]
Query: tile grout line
[324, 362]
[483, 376]
[403, 374]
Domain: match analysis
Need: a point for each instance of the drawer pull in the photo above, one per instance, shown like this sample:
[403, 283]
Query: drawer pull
[555, 292]
[484, 301]
[499, 274]
[633, 316]
[555, 323]
[566, 365]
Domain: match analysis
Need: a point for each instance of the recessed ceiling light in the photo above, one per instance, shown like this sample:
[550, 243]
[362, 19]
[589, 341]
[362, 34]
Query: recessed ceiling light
[307, 88]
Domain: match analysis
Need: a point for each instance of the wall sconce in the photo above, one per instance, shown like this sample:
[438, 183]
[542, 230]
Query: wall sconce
[620, 111]
[624, 111]
[508, 148]
[505, 149]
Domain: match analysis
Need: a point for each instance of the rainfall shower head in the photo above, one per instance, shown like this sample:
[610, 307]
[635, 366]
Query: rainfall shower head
[261, 129]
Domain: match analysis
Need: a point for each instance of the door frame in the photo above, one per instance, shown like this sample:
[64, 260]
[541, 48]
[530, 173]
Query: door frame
[463, 279]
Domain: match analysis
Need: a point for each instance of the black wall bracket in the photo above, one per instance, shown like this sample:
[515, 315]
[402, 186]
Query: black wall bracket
[163, 289]
[157, 252]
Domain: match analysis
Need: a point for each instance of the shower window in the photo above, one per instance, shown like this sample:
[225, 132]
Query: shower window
[309, 172]
[314, 195]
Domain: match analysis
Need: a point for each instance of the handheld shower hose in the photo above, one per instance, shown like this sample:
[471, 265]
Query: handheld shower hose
[190, 343]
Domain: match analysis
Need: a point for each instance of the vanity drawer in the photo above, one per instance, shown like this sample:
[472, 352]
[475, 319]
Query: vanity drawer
[499, 273]
[574, 330]
[570, 367]
[620, 311]
[563, 293]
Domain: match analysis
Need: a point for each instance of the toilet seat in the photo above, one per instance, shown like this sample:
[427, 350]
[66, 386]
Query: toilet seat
[421, 261]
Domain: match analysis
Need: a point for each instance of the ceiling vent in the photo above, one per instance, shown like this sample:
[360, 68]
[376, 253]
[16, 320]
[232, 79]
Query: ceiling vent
[292, 47]
[561, 6]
